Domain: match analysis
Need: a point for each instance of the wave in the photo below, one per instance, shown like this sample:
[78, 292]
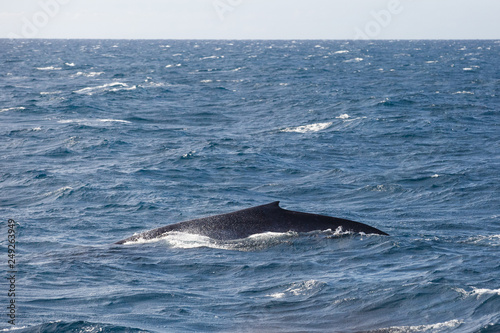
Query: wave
[489, 240]
[463, 92]
[432, 328]
[59, 192]
[50, 92]
[49, 68]
[18, 108]
[304, 288]
[172, 65]
[92, 122]
[113, 87]
[354, 60]
[77, 326]
[212, 57]
[89, 74]
[478, 292]
[308, 128]
[346, 119]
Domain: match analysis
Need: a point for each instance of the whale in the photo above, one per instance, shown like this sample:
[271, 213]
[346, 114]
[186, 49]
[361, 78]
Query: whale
[255, 220]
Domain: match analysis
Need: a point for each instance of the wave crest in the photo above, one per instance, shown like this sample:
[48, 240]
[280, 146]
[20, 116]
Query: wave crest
[308, 128]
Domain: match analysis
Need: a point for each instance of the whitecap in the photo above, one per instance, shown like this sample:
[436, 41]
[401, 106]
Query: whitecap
[50, 92]
[18, 108]
[463, 92]
[354, 60]
[308, 128]
[48, 68]
[189, 155]
[341, 52]
[343, 116]
[478, 292]
[148, 82]
[484, 291]
[391, 188]
[92, 122]
[114, 120]
[491, 240]
[349, 119]
[211, 57]
[90, 74]
[114, 86]
[70, 64]
[434, 328]
[303, 288]
[58, 192]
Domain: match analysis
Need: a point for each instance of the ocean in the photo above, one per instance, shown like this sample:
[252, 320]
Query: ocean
[102, 139]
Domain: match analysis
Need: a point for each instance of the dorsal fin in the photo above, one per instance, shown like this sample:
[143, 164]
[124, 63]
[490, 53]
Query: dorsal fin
[275, 204]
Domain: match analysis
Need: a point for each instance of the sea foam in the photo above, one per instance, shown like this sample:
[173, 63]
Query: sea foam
[308, 128]
[113, 87]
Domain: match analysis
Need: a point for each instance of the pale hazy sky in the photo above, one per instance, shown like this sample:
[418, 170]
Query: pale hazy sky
[251, 19]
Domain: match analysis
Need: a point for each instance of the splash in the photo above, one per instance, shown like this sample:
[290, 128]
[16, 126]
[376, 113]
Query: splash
[255, 242]
[183, 240]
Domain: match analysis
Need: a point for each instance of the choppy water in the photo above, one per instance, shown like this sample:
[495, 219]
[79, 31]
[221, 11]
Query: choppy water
[103, 139]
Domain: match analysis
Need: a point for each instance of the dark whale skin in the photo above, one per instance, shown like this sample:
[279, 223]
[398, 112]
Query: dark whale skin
[255, 220]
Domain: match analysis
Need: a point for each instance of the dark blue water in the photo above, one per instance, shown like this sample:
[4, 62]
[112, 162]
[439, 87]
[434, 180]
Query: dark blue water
[103, 139]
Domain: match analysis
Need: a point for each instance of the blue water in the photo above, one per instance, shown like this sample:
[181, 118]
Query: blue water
[104, 139]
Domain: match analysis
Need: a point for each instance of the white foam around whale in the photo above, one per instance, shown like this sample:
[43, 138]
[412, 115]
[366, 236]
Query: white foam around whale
[184, 240]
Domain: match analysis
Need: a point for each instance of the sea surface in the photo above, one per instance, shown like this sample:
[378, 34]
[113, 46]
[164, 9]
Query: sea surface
[101, 139]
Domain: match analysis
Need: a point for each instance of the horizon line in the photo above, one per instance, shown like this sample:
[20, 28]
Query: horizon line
[262, 39]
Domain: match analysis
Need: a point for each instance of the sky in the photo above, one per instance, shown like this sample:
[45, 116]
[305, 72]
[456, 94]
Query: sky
[250, 19]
